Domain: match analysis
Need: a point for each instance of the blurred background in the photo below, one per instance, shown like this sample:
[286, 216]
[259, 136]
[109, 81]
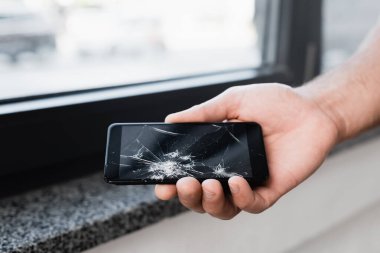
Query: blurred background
[49, 46]
[345, 24]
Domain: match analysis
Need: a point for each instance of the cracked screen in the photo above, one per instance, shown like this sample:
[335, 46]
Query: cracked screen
[171, 151]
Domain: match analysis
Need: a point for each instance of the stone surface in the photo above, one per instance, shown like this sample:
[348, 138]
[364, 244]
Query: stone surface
[77, 215]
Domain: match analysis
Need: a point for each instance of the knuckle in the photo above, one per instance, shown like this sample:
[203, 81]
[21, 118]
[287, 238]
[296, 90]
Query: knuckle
[225, 214]
[217, 214]
[199, 210]
[202, 107]
[188, 203]
[188, 196]
[222, 217]
[234, 97]
[189, 199]
[259, 207]
[232, 90]
[214, 208]
[203, 111]
[245, 205]
[212, 212]
[258, 210]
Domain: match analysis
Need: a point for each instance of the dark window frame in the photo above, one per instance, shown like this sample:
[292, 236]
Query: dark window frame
[49, 138]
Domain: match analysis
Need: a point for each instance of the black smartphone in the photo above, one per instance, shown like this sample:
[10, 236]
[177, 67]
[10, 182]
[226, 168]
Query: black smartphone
[160, 153]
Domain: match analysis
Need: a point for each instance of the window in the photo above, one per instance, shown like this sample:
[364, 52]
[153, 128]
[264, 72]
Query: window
[58, 46]
[64, 81]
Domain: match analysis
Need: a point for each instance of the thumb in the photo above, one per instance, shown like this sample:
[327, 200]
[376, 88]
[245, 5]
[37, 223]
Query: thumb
[222, 107]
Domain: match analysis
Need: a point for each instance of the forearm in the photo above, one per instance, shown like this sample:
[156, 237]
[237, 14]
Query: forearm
[350, 94]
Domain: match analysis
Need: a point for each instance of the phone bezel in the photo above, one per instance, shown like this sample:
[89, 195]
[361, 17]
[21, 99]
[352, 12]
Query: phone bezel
[255, 146]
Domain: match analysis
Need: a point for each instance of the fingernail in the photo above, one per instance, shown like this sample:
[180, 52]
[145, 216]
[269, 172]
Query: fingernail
[234, 188]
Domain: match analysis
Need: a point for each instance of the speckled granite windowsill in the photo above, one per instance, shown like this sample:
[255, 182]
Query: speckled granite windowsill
[80, 214]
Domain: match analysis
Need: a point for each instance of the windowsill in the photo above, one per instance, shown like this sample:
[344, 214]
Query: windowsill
[85, 212]
[77, 215]
[125, 91]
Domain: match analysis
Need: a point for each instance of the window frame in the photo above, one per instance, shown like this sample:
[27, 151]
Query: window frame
[49, 138]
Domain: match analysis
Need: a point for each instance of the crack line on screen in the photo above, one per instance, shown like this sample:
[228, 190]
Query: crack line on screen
[156, 163]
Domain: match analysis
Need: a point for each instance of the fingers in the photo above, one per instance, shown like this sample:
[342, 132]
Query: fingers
[224, 106]
[165, 192]
[246, 199]
[208, 197]
[190, 193]
[214, 201]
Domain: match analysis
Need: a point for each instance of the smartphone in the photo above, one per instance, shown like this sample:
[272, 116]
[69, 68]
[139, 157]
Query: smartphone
[161, 153]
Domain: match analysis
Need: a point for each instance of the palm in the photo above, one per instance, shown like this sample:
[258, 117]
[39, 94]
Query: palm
[290, 125]
[297, 137]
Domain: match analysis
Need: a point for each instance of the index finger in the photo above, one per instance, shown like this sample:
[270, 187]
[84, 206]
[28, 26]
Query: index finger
[222, 107]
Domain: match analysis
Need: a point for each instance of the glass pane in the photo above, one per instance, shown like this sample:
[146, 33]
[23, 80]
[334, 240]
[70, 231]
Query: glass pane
[51, 46]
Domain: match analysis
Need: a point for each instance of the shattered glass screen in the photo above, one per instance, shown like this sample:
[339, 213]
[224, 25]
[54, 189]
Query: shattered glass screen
[172, 151]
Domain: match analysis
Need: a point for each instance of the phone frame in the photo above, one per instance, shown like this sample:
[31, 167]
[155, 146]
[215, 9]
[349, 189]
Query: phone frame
[257, 155]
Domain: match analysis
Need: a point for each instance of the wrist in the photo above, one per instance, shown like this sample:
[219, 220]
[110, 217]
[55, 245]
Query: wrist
[348, 95]
[325, 92]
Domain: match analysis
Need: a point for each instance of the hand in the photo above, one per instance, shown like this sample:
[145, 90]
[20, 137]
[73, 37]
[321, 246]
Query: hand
[297, 135]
